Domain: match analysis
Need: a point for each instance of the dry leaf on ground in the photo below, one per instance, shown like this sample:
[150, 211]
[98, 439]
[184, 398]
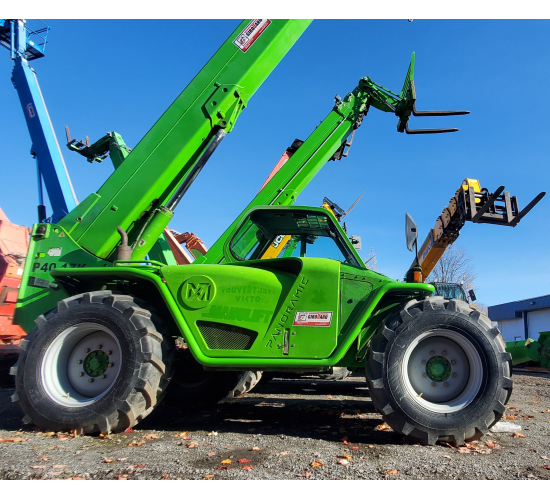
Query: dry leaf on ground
[127, 431]
[166, 476]
[108, 461]
[305, 474]
[210, 476]
[150, 436]
[247, 467]
[213, 433]
[382, 427]
[124, 477]
[518, 435]
[244, 461]
[226, 461]
[343, 462]
[345, 455]
[192, 444]
[392, 472]
[255, 448]
[58, 466]
[284, 453]
[490, 444]
[121, 459]
[104, 436]
[545, 466]
[224, 467]
[181, 434]
[446, 456]
[38, 466]
[317, 463]
[136, 443]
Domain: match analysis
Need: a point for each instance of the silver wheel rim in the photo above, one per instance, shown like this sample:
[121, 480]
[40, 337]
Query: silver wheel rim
[441, 390]
[81, 365]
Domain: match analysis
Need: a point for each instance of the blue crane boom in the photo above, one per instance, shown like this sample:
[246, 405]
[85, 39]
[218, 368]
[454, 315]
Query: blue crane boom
[25, 45]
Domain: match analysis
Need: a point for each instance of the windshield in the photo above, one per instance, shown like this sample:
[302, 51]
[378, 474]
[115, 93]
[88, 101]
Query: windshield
[450, 291]
[271, 235]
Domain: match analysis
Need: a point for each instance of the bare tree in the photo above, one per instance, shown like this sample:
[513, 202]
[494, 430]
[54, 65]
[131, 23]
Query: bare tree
[370, 261]
[454, 267]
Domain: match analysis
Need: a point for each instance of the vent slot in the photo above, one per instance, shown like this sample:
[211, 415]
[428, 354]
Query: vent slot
[222, 336]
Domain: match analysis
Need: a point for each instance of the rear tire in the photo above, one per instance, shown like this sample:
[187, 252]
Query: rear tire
[97, 363]
[438, 371]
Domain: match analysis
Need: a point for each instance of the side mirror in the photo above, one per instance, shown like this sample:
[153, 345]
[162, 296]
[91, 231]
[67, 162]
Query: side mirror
[411, 232]
[356, 242]
[472, 295]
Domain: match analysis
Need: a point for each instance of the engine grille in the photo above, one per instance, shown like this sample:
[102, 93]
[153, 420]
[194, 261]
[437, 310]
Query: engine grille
[222, 336]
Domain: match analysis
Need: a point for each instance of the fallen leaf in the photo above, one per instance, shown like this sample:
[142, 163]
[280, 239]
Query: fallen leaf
[343, 462]
[532, 450]
[74, 433]
[345, 442]
[255, 448]
[355, 447]
[38, 466]
[244, 461]
[44, 458]
[181, 434]
[535, 402]
[247, 467]
[192, 444]
[166, 476]
[512, 408]
[58, 466]
[104, 436]
[328, 397]
[150, 436]
[48, 434]
[370, 446]
[382, 427]
[545, 457]
[224, 467]
[63, 439]
[127, 431]
[545, 466]
[213, 433]
[446, 456]
[490, 444]
[346, 456]
[76, 479]
[463, 450]
[392, 472]
[212, 454]
[316, 463]
[124, 477]
[305, 474]
[210, 476]
[510, 417]
[136, 443]
[226, 461]
[108, 461]
[517, 435]
[14, 440]
[284, 453]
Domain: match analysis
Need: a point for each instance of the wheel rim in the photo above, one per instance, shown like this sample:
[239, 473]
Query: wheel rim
[443, 371]
[81, 365]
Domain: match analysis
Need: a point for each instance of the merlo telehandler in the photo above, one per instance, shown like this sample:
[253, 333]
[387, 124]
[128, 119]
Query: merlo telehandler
[101, 353]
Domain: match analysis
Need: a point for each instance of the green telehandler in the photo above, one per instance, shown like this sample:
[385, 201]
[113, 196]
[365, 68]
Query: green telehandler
[103, 321]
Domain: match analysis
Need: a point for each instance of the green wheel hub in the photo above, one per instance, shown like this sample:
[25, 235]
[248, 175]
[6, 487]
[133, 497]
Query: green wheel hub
[438, 369]
[96, 363]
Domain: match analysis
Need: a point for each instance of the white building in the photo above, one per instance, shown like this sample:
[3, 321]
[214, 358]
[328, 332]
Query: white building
[522, 319]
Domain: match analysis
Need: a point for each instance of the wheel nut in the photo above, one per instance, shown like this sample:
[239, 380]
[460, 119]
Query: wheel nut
[103, 376]
[110, 352]
[444, 353]
[90, 380]
[81, 374]
[111, 365]
[86, 350]
[432, 353]
[453, 375]
[79, 362]
[423, 362]
[99, 346]
[424, 375]
[445, 384]
[433, 384]
[453, 362]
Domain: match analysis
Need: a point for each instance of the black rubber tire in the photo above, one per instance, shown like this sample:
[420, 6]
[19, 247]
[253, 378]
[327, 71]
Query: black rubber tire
[191, 383]
[401, 410]
[247, 381]
[146, 365]
[338, 373]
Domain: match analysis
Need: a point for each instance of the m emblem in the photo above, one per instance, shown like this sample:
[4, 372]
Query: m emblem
[197, 292]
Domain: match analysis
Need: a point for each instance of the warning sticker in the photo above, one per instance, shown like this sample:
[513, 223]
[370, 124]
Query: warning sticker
[308, 318]
[30, 110]
[251, 33]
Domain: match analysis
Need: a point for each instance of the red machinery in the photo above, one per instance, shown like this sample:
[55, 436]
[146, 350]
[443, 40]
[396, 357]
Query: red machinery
[14, 244]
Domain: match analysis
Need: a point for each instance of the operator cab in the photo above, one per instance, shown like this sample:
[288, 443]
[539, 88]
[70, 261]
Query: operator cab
[270, 233]
[453, 291]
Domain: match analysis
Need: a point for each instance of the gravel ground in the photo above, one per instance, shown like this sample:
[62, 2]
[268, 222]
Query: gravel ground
[287, 429]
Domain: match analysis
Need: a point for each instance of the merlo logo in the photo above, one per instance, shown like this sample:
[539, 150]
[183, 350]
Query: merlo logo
[197, 292]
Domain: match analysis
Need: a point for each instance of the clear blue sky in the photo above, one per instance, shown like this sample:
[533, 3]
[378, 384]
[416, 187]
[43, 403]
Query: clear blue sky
[100, 76]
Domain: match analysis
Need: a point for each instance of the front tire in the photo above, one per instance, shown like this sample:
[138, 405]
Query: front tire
[97, 363]
[438, 371]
